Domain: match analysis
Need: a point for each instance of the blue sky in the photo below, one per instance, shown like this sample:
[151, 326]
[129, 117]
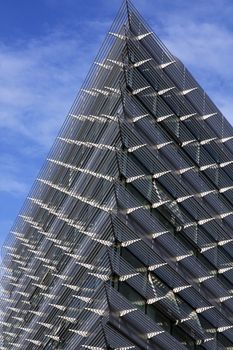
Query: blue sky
[46, 49]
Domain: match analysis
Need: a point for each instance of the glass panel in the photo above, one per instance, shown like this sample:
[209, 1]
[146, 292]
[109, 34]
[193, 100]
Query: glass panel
[224, 341]
[134, 297]
[182, 336]
[159, 317]
[131, 259]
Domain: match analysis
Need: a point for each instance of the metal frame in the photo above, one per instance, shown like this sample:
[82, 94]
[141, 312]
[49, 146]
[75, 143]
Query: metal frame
[143, 162]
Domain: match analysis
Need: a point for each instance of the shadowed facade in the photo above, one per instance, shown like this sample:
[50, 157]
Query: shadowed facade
[125, 240]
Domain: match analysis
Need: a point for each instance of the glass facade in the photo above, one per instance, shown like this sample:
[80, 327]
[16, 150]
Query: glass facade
[125, 239]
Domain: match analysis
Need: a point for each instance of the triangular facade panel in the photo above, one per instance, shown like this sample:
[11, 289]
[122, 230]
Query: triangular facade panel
[125, 240]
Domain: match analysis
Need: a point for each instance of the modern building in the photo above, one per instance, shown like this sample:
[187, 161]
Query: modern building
[126, 238]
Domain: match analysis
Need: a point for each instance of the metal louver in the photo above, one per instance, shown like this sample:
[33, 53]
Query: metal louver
[125, 239]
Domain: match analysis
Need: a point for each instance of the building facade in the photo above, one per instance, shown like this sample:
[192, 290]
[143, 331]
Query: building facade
[125, 239]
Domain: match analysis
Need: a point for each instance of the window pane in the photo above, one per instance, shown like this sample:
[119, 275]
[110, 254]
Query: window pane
[134, 297]
[158, 317]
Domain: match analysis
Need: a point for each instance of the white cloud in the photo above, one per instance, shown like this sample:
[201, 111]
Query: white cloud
[203, 45]
[207, 50]
[200, 34]
[13, 186]
[10, 180]
[39, 80]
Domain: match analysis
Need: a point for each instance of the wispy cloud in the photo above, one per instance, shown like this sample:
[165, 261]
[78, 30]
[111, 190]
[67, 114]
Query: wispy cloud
[207, 49]
[38, 82]
[203, 45]
[39, 79]
[200, 34]
[12, 179]
[12, 185]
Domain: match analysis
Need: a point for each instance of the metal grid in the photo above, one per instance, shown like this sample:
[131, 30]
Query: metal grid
[142, 165]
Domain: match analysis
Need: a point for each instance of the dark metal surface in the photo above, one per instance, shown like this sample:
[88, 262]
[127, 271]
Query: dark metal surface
[142, 165]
